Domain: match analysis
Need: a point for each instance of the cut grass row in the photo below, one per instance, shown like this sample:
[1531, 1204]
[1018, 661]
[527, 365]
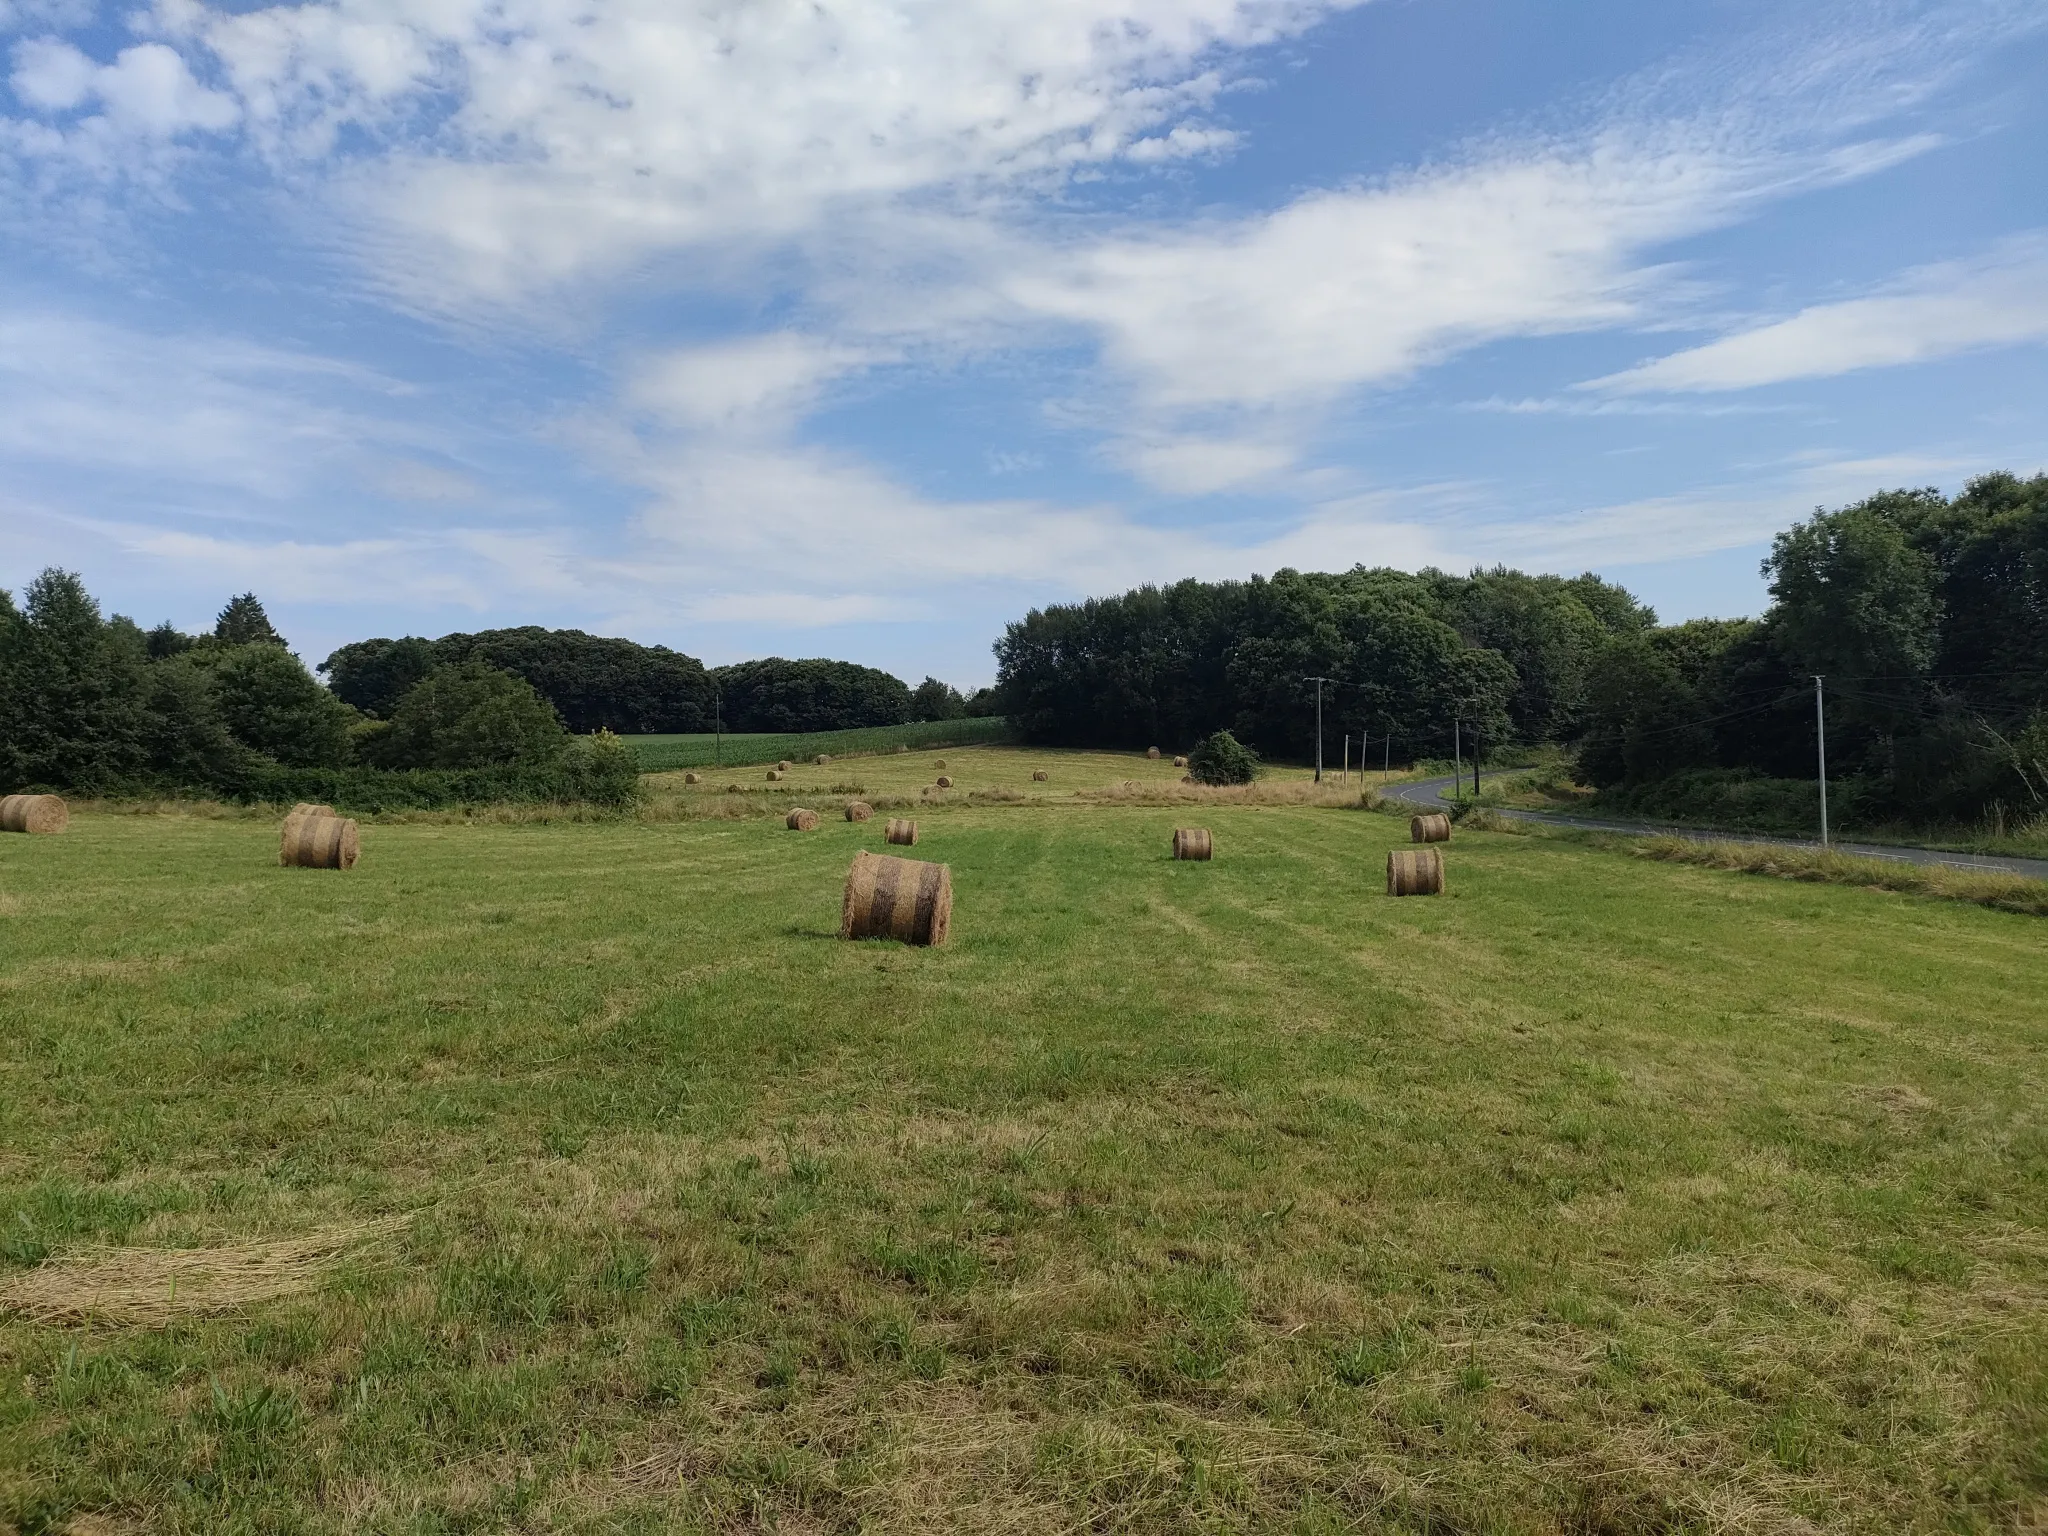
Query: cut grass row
[1601, 1194]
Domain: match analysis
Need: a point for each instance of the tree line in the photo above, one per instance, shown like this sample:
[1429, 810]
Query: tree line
[1925, 619]
[98, 705]
[596, 682]
[1418, 662]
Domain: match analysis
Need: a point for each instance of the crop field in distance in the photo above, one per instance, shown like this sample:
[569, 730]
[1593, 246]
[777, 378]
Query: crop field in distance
[703, 749]
[576, 1177]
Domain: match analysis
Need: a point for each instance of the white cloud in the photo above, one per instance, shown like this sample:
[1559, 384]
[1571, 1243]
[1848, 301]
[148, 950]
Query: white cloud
[756, 383]
[568, 140]
[148, 91]
[178, 410]
[2000, 299]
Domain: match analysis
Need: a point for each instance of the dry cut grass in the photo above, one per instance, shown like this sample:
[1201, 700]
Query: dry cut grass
[154, 1287]
[2008, 893]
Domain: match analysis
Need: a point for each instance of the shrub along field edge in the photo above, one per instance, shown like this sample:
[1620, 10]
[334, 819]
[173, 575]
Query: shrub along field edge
[662, 754]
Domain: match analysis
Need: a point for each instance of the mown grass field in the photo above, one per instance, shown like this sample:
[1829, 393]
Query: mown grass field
[1601, 1194]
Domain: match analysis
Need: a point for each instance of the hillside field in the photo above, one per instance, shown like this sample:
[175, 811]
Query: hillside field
[580, 1179]
[660, 753]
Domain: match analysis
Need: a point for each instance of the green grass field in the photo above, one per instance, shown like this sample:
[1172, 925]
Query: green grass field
[660, 753]
[1599, 1195]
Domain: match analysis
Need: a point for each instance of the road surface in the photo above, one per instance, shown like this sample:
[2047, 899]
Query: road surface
[1429, 794]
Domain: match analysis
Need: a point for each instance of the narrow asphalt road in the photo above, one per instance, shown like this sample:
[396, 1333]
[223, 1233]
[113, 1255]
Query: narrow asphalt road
[1429, 794]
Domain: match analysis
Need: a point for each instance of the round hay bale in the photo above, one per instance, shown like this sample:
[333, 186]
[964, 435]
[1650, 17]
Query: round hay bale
[34, 813]
[1180, 762]
[1152, 754]
[801, 820]
[940, 763]
[734, 789]
[318, 842]
[774, 775]
[1415, 872]
[783, 766]
[1039, 776]
[691, 778]
[1432, 828]
[901, 831]
[822, 759]
[942, 782]
[889, 898]
[1193, 843]
[858, 810]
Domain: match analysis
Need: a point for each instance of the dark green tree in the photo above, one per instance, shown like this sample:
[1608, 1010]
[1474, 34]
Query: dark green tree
[934, 700]
[373, 675]
[243, 622]
[272, 705]
[71, 689]
[812, 695]
[472, 716]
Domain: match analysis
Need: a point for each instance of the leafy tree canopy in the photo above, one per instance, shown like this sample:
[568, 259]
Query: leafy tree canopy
[469, 715]
[243, 622]
[814, 695]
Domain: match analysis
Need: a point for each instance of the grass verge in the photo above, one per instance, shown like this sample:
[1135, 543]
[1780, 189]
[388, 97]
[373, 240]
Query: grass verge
[2008, 893]
[660, 754]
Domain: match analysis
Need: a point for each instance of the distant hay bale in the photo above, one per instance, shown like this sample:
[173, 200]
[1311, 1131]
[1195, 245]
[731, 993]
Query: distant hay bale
[318, 842]
[154, 1287]
[940, 763]
[775, 775]
[1193, 843]
[822, 759]
[783, 766]
[1415, 872]
[1152, 754]
[1432, 828]
[942, 782]
[858, 810]
[889, 898]
[691, 778]
[1180, 762]
[1039, 776]
[734, 789]
[901, 831]
[34, 813]
[801, 820]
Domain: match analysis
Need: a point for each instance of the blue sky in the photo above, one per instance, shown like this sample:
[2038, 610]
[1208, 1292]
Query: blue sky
[858, 327]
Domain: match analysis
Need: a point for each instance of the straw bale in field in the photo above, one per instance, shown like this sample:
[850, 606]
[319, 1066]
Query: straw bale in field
[801, 820]
[1152, 753]
[822, 759]
[943, 782]
[891, 898]
[901, 831]
[1180, 762]
[734, 789]
[784, 766]
[154, 1287]
[940, 763]
[318, 842]
[1039, 776]
[858, 810]
[1193, 843]
[1415, 872]
[34, 813]
[692, 778]
[774, 775]
[1432, 828]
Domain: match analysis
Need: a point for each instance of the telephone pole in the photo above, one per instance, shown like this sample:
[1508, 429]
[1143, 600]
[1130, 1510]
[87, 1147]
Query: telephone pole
[1319, 681]
[1820, 720]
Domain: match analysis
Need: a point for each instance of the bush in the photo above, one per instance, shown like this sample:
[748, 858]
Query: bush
[592, 770]
[471, 716]
[1222, 759]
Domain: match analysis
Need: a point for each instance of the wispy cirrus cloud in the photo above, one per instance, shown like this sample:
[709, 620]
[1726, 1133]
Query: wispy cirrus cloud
[1995, 300]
